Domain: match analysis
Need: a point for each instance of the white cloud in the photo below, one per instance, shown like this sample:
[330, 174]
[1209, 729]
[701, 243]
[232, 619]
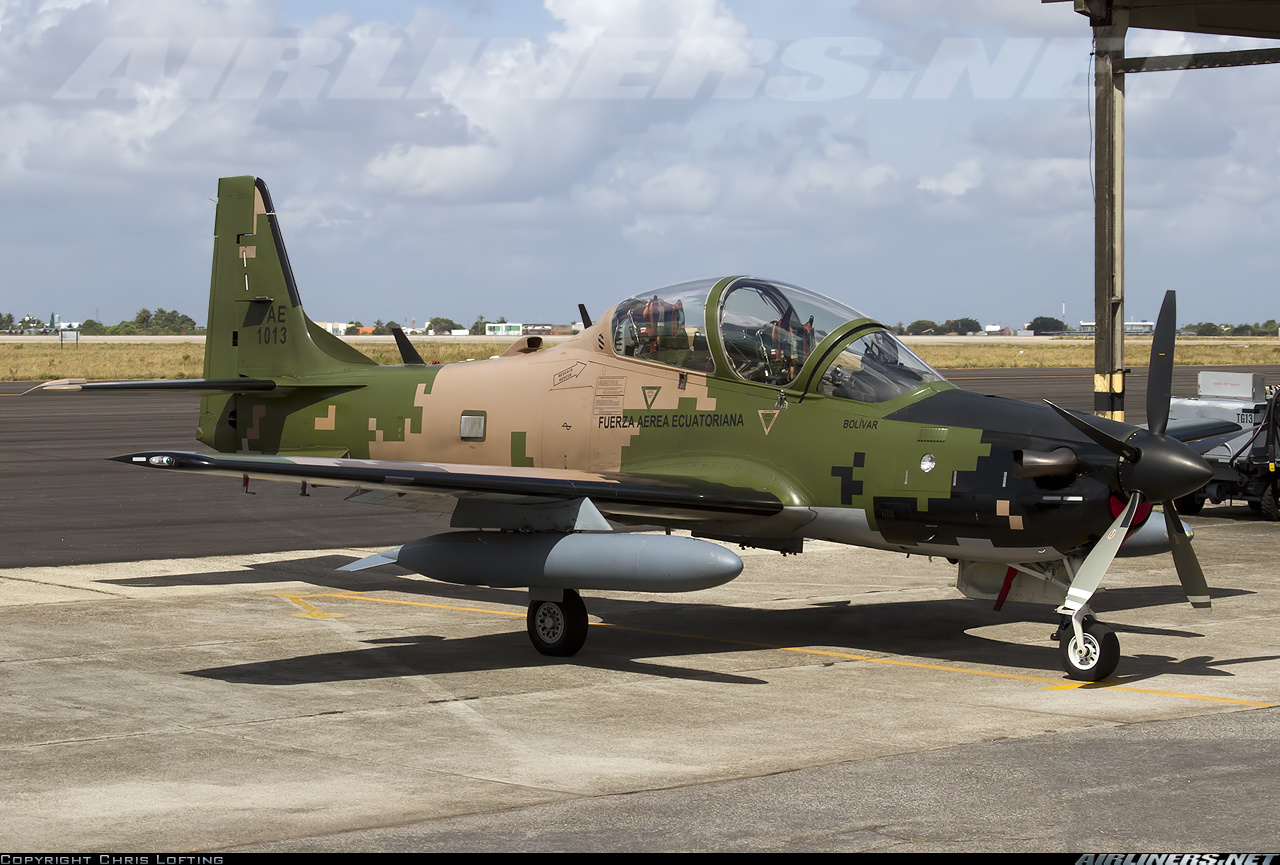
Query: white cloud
[488, 159]
[967, 175]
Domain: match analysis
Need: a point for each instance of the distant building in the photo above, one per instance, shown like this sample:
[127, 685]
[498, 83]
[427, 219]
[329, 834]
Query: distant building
[337, 328]
[549, 329]
[1138, 328]
[504, 328]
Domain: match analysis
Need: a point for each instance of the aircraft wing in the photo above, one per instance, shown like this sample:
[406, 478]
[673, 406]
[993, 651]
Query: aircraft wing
[1198, 428]
[423, 485]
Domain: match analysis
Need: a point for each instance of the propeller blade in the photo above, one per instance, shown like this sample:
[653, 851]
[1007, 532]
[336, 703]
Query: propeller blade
[1160, 371]
[1095, 566]
[1185, 561]
[1108, 441]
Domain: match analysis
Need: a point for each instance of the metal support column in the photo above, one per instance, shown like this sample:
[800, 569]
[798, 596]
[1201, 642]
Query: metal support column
[1108, 254]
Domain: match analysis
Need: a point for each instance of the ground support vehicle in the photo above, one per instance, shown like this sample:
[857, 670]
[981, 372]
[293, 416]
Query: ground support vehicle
[1242, 452]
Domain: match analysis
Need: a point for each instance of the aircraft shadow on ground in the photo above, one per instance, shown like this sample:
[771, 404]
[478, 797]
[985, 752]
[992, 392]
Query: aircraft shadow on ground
[937, 630]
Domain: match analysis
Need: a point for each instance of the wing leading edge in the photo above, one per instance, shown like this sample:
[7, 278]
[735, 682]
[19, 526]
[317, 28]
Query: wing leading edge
[615, 494]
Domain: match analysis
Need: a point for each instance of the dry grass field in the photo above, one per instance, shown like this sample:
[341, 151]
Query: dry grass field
[134, 361]
[104, 361]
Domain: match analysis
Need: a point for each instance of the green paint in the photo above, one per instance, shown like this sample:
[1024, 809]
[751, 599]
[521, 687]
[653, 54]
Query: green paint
[519, 449]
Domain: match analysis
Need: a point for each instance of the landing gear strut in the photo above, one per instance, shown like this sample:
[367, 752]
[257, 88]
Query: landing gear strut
[558, 628]
[1090, 655]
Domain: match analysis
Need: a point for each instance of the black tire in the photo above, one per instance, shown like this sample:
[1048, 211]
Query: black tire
[558, 628]
[1189, 505]
[1102, 653]
[1270, 509]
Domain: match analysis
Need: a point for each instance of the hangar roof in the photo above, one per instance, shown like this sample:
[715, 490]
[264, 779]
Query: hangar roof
[1259, 18]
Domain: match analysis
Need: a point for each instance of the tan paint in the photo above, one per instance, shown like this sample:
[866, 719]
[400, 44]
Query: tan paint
[329, 421]
[255, 431]
[258, 206]
[555, 397]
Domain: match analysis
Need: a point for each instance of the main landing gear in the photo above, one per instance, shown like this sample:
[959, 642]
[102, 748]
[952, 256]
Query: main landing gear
[557, 628]
[1091, 655]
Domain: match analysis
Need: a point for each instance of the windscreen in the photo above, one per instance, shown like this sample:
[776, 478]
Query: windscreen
[875, 367]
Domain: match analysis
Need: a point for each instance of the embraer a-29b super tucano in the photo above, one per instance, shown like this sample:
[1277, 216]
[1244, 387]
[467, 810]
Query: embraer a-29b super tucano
[745, 410]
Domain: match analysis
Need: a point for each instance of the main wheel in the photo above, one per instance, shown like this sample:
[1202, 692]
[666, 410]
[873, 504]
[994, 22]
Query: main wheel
[1095, 659]
[1189, 505]
[1270, 509]
[558, 628]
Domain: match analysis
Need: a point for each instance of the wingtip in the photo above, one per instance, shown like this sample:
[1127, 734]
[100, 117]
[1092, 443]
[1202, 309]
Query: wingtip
[63, 385]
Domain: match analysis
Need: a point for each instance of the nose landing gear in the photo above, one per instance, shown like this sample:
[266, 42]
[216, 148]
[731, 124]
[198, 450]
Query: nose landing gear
[1092, 654]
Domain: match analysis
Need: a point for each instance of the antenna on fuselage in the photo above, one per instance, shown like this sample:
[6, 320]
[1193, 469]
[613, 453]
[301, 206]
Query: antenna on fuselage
[408, 353]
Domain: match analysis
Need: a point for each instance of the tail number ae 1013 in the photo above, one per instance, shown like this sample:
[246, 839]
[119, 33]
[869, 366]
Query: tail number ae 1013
[273, 335]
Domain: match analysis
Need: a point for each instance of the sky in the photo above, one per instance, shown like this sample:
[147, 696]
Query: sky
[911, 158]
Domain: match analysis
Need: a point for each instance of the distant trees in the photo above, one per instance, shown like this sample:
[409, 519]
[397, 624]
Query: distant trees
[442, 325]
[961, 326]
[353, 328]
[1210, 328]
[1046, 324]
[162, 322]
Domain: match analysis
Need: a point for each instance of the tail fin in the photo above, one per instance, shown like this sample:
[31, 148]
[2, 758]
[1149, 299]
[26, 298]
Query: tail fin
[257, 328]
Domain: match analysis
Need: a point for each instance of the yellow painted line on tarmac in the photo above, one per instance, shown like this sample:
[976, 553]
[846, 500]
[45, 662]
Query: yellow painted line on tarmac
[309, 611]
[1054, 684]
[1071, 686]
[359, 597]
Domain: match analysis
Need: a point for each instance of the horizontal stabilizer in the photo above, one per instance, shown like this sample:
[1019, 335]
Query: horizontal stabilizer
[208, 385]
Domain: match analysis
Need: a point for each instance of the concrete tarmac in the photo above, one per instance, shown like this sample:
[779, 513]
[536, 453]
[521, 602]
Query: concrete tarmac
[183, 669]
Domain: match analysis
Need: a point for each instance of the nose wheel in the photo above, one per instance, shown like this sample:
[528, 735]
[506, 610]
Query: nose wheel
[558, 628]
[1091, 655]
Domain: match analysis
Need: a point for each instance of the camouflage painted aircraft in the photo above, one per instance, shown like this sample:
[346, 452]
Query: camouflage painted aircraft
[745, 410]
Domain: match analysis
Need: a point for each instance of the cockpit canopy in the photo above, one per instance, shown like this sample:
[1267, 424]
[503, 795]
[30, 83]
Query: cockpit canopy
[767, 332]
[665, 326]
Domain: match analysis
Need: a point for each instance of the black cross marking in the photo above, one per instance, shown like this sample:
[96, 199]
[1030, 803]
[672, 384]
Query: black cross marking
[848, 486]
